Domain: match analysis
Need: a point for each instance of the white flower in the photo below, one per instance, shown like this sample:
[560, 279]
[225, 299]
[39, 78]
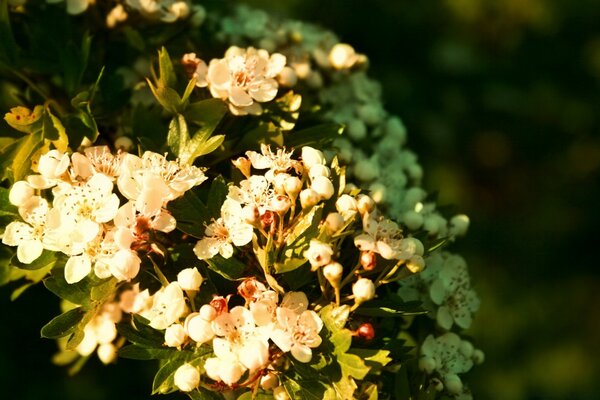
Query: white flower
[96, 160]
[175, 335]
[297, 328]
[318, 253]
[255, 191]
[245, 78]
[135, 302]
[20, 193]
[125, 265]
[363, 290]
[100, 330]
[312, 156]
[190, 279]
[199, 328]
[98, 253]
[52, 166]
[29, 236]
[381, 236]
[278, 162]
[187, 377]
[230, 228]
[167, 307]
[323, 187]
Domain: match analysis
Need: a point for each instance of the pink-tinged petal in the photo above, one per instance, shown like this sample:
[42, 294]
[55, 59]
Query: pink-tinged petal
[149, 202]
[82, 166]
[219, 93]
[77, 268]
[29, 251]
[301, 353]
[239, 97]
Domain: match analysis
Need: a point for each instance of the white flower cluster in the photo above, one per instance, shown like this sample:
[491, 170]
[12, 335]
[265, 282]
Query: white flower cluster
[447, 356]
[244, 77]
[445, 289]
[85, 220]
[241, 338]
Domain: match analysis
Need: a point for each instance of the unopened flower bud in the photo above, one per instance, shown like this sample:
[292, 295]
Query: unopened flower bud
[370, 113]
[187, 378]
[333, 273]
[366, 331]
[250, 289]
[314, 80]
[243, 164]
[269, 381]
[415, 264]
[431, 224]
[279, 182]
[190, 279]
[323, 187]
[410, 246]
[413, 220]
[363, 290]
[311, 156]
[267, 219]
[175, 335]
[378, 192]
[308, 198]
[334, 222]
[208, 312]
[342, 56]
[415, 171]
[459, 224]
[124, 143]
[250, 214]
[466, 348]
[53, 164]
[20, 193]
[292, 186]
[368, 260]
[125, 265]
[395, 128]
[281, 204]
[107, 353]
[346, 205]
[198, 329]
[287, 77]
[437, 385]
[478, 356]
[319, 170]
[356, 129]
[453, 383]
[318, 253]
[220, 304]
[366, 170]
[427, 364]
[364, 204]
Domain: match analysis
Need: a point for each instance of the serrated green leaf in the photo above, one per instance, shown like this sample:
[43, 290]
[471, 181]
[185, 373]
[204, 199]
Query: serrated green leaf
[341, 340]
[289, 264]
[136, 352]
[64, 324]
[307, 389]
[306, 229]
[229, 268]
[335, 317]
[178, 135]
[375, 359]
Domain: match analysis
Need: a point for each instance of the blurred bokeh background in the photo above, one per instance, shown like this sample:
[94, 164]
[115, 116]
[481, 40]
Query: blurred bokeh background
[502, 104]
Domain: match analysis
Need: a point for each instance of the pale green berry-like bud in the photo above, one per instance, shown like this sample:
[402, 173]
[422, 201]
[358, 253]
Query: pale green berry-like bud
[187, 378]
[413, 220]
[292, 186]
[431, 224]
[478, 356]
[363, 290]
[427, 364]
[107, 353]
[269, 381]
[334, 222]
[333, 273]
[459, 224]
[365, 204]
[312, 156]
[453, 383]
[412, 246]
[208, 312]
[309, 197]
[314, 80]
[415, 171]
[415, 264]
[279, 393]
[175, 335]
[190, 279]
[198, 15]
[395, 128]
[366, 170]
[466, 348]
[287, 77]
[414, 195]
[124, 143]
[323, 187]
[370, 113]
[356, 129]
[20, 193]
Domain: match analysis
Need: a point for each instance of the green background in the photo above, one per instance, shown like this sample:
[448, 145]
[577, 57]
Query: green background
[501, 102]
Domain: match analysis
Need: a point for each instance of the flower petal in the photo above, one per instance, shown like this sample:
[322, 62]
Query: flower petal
[77, 268]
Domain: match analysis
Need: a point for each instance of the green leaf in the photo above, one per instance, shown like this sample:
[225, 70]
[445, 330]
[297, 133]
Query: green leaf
[137, 332]
[166, 70]
[206, 113]
[8, 46]
[216, 197]
[306, 229]
[229, 268]
[401, 385]
[204, 394]
[315, 136]
[136, 352]
[334, 317]
[178, 135]
[191, 214]
[25, 120]
[375, 359]
[47, 259]
[163, 380]
[76, 293]
[104, 290]
[64, 324]
[289, 264]
[304, 389]
[167, 97]
[21, 159]
[391, 306]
